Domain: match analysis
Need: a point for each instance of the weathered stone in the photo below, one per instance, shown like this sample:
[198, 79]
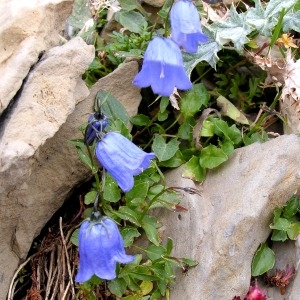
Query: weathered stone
[49, 95]
[27, 28]
[39, 170]
[225, 225]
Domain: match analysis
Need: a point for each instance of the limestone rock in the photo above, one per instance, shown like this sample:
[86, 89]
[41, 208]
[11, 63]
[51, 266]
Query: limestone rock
[27, 28]
[50, 94]
[225, 225]
[38, 166]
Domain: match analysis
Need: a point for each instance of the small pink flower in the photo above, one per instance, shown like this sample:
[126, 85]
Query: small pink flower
[255, 293]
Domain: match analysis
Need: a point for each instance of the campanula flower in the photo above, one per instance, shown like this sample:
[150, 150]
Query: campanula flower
[122, 159]
[96, 123]
[100, 248]
[185, 26]
[162, 68]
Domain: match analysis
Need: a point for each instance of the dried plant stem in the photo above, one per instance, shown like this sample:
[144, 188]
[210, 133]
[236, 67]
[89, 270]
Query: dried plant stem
[67, 257]
[12, 284]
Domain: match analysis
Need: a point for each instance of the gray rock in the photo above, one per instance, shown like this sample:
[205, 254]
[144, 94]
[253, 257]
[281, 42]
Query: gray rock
[38, 166]
[225, 225]
[49, 96]
[27, 28]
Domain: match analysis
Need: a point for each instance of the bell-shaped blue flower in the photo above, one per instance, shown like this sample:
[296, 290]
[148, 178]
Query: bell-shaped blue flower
[162, 68]
[100, 248]
[185, 26]
[122, 159]
[96, 123]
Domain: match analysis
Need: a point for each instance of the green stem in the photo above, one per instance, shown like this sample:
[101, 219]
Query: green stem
[151, 202]
[167, 19]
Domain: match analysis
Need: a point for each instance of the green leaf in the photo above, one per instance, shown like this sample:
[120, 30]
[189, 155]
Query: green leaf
[193, 170]
[117, 286]
[231, 133]
[229, 110]
[291, 207]
[185, 130]
[263, 260]
[138, 192]
[85, 158]
[294, 230]
[150, 225]
[169, 247]
[163, 13]
[211, 157]
[146, 288]
[227, 147]
[155, 295]
[280, 224]
[279, 236]
[111, 191]
[126, 213]
[164, 102]
[167, 199]
[206, 52]
[190, 262]
[128, 4]
[163, 150]
[291, 22]
[265, 20]
[194, 100]
[111, 107]
[277, 28]
[234, 29]
[207, 129]
[74, 237]
[132, 20]
[90, 197]
[140, 120]
[128, 234]
[155, 252]
[255, 137]
[174, 161]
[163, 116]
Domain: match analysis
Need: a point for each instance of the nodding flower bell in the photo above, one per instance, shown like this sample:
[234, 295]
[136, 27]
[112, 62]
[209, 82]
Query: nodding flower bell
[162, 68]
[185, 26]
[100, 248]
[122, 159]
[96, 123]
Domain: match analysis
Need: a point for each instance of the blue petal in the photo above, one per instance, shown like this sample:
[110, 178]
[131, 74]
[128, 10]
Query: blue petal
[163, 68]
[122, 159]
[85, 265]
[186, 26]
[100, 247]
[108, 242]
[190, 42]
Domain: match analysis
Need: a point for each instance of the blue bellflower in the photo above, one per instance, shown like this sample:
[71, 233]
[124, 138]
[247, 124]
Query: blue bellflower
[186, 26]
[122, 159]
[100, 248]
[96, 123]
[162, 68]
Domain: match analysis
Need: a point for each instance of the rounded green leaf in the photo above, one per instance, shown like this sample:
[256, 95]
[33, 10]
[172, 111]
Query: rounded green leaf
[163, 150]
[193, 170]
[263, 260]
[211, 157]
